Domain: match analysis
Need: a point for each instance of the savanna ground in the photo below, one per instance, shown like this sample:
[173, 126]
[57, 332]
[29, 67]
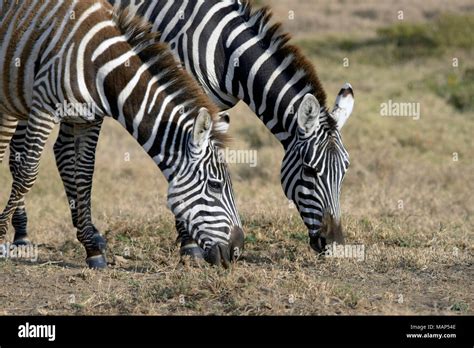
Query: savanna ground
[408, 196]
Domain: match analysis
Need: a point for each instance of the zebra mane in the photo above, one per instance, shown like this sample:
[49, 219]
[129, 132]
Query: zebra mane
[274, 34]
[146, 43]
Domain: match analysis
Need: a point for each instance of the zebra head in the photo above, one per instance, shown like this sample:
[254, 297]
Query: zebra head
[314, 167]
[201, 195]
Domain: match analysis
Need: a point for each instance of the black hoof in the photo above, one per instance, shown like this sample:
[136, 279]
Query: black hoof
[192, 250]
[22, 242]
[97, 262]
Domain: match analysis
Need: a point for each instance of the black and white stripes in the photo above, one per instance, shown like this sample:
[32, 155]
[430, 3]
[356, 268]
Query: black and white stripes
[238, 54]
[83, 55]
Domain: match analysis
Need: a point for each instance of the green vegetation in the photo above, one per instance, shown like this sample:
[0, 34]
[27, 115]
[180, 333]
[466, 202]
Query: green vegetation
[446, 38]
[402, 42]
[457, 88]
[460, 307]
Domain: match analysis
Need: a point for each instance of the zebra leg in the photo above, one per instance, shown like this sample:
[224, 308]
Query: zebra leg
[8, 125]
[64, 152]
[86, 137]
[20, 218]
[37, 133]
[189, 247]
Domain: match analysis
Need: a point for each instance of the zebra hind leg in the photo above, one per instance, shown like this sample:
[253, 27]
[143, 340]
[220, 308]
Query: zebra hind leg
[39, 128]
[8, 125]
[86, 137]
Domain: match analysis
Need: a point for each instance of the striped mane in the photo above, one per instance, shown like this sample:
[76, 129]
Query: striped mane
[146, 43]
[274, 33]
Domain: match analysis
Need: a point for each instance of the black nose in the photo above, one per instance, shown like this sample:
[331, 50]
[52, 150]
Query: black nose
[318, 243]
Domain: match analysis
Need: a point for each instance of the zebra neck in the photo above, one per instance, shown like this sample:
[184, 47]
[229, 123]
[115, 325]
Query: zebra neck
[248, 66]
[168, 151]
[162, 129]
[279, 112]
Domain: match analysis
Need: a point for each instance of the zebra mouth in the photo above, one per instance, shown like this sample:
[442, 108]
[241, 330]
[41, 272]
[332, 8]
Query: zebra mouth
[317, 242]
[329, 232]
[220, 254]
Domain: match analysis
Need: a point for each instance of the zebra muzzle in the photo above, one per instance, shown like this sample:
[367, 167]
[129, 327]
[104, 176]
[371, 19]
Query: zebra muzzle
[330, 232]
[237, 239]
[220, 254]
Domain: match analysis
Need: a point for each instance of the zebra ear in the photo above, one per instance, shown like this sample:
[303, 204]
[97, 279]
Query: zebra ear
[222, 126]
[344, 105]
[202, 128]
[308, 113]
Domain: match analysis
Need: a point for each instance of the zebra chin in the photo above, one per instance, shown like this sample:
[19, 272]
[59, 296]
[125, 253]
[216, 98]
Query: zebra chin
[330, 232]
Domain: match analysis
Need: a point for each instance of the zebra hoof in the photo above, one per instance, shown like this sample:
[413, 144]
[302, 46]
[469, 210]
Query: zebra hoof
[21, 242]
[97, 262]
[192, 251]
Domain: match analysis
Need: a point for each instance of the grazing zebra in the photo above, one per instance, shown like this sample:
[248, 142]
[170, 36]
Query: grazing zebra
[76, 62]
[237, 54]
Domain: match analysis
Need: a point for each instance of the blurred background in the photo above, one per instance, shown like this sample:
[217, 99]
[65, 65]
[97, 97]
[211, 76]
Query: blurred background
[408, 195]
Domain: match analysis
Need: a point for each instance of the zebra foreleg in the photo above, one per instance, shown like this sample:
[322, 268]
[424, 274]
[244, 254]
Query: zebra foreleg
[189, 247]
[65, 154]
[86, 137]
[39, 128]
[20, 218]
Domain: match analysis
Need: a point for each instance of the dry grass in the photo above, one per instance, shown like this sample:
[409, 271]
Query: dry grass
[404, 199]
[309, 17]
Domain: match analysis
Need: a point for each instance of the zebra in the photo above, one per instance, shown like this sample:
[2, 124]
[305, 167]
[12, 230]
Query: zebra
[236, 53]
[74, 62]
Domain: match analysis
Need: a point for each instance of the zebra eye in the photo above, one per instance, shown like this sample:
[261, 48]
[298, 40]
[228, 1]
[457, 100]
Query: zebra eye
[309, 171]
[215, 186]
